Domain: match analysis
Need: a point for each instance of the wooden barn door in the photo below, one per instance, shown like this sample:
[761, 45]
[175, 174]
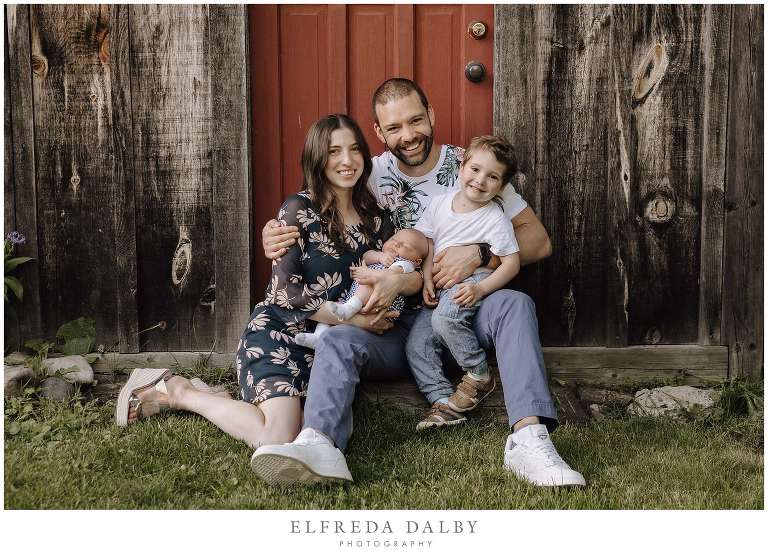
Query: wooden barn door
[309, 61]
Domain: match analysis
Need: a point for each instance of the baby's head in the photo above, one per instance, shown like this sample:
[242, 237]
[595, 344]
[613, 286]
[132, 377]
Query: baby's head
[489, 164]
[409, 244]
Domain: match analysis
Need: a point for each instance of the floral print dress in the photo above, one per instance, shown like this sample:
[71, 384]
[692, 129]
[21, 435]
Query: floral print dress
[269, 363]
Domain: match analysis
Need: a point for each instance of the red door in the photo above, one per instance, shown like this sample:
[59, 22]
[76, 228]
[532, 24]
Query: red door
[311, 60]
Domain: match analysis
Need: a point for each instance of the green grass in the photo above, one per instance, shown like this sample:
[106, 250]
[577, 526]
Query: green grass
[71, 456]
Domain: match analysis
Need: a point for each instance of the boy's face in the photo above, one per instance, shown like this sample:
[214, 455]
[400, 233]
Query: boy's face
[408, 244]
[480, 176]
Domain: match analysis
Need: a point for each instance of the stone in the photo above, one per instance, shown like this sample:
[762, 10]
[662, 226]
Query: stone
[569, 407]
[16, 358]
[15, 377]
[595, 412]
[56, 388]
[605, 397]
[74, 369]
[672, 401]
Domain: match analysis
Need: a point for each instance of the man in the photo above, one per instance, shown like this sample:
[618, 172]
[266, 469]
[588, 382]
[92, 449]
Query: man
[404, 178]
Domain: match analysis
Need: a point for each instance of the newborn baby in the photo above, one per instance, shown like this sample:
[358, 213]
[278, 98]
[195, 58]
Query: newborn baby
[402, 253]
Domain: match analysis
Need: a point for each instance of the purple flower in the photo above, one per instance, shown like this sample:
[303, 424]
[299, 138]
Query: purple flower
[16, 238]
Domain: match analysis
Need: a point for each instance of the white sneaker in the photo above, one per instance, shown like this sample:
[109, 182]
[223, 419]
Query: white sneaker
[530, 455]
[310, 458]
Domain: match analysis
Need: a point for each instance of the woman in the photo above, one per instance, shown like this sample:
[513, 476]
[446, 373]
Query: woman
[338, 220]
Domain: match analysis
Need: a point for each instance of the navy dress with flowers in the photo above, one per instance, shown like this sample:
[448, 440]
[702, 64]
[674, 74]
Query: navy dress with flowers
[269, 363]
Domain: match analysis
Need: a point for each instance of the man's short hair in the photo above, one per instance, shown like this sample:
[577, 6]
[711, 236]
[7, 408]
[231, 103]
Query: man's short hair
[394, 89]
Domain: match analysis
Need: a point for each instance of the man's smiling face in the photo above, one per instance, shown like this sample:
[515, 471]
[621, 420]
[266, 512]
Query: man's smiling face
[405, 127]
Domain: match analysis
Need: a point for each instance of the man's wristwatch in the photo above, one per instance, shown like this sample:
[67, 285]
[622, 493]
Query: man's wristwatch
[485, 253]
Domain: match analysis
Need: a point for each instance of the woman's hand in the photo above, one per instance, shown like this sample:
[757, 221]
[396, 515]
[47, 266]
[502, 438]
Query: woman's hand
[373, 322]
[276, 239]
[386, 287]
[467, 294]
[455, 264]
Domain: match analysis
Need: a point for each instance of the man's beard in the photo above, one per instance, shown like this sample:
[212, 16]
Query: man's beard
[414, 162]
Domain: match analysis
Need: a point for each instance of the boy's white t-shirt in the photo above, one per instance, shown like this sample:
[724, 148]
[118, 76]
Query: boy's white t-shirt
[488, 224]
[406, 197]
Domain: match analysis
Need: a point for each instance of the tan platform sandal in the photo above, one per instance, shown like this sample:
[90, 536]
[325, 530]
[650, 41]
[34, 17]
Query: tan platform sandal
[144, 378]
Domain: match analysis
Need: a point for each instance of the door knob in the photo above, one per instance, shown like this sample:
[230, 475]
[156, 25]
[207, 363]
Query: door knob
[474, 71]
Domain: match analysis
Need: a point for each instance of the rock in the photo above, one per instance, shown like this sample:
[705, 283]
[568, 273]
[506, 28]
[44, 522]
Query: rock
[57, 388]
[16, 358]
[594, 411]
[671, 401]
[605, 397]
[568, 405]
[74, 369]
[15, 377]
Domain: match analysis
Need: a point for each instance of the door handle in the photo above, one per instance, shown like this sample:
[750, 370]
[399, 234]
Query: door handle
[474, 71]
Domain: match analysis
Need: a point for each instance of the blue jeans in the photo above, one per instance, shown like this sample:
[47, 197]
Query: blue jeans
[345, 354]
[453, 327]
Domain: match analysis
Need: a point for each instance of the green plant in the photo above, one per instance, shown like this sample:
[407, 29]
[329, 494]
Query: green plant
[40, 348]
[12, 263]
[739, 398]
[39, 420]
[76, 337]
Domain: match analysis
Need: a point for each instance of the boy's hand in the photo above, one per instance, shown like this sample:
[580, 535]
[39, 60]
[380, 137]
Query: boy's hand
[276, 239]
[428, 294]
[467, 294]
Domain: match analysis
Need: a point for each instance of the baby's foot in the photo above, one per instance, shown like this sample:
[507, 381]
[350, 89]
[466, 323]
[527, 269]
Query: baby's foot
[337, 310]
[304, 339]
[345, 311]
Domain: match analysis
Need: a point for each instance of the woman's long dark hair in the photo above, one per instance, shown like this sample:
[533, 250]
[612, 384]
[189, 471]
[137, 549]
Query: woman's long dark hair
[314, 158]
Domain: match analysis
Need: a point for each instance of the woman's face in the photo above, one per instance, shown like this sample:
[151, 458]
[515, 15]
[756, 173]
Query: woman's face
[345, 162]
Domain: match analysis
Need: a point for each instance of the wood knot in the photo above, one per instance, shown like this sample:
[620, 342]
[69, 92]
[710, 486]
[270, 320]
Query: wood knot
[659, 207]
[39, 65]
[208, 298]
[103, 39]
[182, 259]
[652, 68]
[652, 336]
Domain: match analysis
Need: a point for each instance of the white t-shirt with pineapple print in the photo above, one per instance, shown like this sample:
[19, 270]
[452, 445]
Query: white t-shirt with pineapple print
[406, 197]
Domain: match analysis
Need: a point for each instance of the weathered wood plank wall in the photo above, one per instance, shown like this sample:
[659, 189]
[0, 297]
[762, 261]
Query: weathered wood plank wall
[743, 260]
[116, 53]
[171, 97]
[621, 118]
[74, 150]
[140, 131]
[21, 162]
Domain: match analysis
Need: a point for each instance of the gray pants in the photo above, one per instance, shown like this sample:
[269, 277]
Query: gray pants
[345, 354]
[451, 326]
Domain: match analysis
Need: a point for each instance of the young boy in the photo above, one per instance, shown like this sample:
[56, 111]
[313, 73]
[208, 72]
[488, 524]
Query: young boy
[403, 253]
[472, 214]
